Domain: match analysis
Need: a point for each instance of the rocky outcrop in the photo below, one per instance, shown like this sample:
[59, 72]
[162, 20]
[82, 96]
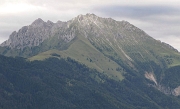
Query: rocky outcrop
[168, 90]
[176, 91]
[36, 33]
[162, 88]
[98, 30]
[151, 77]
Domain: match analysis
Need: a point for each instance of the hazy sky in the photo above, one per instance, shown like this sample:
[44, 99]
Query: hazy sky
[158, 18]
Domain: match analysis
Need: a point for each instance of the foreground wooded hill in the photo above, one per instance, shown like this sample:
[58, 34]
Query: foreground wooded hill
[66, 84]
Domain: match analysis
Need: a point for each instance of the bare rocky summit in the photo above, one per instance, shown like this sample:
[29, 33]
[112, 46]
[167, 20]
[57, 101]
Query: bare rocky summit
[89, 25]
[35, 34]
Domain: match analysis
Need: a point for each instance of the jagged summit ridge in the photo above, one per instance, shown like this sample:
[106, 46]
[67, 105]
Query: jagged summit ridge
[38, 22]
[34, 34]
[39, 30]
[90, 26]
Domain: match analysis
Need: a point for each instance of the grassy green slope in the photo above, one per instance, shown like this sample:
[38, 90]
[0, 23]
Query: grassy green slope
[132, 45]
[82, 51]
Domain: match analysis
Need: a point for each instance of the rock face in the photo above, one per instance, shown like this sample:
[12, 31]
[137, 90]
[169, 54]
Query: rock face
[151, 77]
[89, 24]
[177, 91]
[165, 90]
[36, 33]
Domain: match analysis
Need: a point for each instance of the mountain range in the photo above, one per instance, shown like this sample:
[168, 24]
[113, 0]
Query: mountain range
[118, 50]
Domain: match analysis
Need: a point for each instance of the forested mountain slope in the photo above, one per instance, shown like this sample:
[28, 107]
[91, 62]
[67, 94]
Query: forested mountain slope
[66, 84]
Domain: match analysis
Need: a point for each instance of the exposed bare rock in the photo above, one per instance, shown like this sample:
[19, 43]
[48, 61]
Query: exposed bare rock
[177, 91]
[36, 33]
[165, 90]
[162, 88]
[151, 77]
[106, 34]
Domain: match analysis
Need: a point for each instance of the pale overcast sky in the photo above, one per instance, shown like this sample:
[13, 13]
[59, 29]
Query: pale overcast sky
[158, 18]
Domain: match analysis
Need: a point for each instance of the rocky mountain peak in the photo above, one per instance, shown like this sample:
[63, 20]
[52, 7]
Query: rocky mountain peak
[88, 15]
[29, 36]
[86, 18]
[90, 25]
[36, 33]
[39, 30]
[38, 22]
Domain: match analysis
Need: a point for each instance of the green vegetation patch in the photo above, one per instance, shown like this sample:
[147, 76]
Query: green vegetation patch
[82, 51]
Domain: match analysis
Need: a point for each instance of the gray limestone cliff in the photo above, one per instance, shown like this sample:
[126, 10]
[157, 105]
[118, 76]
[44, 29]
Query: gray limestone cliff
[91, 26]
[36, 33]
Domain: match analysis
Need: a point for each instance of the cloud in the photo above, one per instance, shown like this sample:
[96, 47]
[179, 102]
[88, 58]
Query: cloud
[138, 12]
[15, 8]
